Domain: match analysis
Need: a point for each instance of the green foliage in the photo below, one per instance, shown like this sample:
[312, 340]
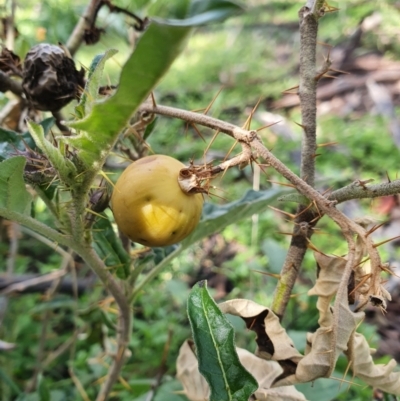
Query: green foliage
[64, 166]
[141, 72]
[90, 93]
[214, 339]
[11, 140]
[13, 195]
[217, 217]
[109, 247]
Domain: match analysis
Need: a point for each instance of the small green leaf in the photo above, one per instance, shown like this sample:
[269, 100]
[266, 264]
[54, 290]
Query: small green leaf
[13, 194]
[11, 140]
[106, 320]
[217, 217]
[90, 94]
[150, 128]
[214, 339]
[109, 247]
[64, 166]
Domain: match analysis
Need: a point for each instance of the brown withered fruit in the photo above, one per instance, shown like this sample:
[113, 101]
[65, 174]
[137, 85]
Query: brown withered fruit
[50, 78]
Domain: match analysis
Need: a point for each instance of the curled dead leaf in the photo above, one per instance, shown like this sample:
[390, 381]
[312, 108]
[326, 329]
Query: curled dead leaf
[265, 372]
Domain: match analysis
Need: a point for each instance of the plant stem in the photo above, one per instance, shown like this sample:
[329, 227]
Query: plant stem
[87, 253]
[196, 118]
[38, 227]
[85, 22]
[358, 190]
[308, 102]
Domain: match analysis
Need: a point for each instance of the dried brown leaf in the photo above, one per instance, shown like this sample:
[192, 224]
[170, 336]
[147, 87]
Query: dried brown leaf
[326, 344]
[272, 339]
[265, 372]
[380, 376]
[187, 367]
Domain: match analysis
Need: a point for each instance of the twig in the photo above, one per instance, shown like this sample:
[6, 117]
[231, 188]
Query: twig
[60, 350]
[308, 101]
[78, 384]
[85, 22]
[9, 84]
[357, 191]
[10, 33]
[325, 205]
[124, 322]
[197, 118]
[161, 370]
[67, 286]
[22, 286]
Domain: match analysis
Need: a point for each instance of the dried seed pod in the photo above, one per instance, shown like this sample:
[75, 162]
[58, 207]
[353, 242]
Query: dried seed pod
[50, 78]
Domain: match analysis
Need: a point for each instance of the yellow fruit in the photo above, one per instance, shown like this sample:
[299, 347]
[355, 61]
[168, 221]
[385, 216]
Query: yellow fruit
[150, 207]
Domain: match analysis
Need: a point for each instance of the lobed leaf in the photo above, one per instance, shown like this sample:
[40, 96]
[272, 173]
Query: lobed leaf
[218, 359]
[13, 194]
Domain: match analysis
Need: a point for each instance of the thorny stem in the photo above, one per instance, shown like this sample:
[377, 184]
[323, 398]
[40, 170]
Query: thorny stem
[358, 191]
[196, 118]
[324, 205]
[327, 207]
[308, 102]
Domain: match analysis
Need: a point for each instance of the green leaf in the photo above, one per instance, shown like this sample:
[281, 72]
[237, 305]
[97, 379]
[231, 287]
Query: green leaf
[109, 247]
[213, 10]
[4, 378]
[11, 140]
[90, 93]
[43, 390]
[156, 50]
[64, 166]
[150, 129]
[276, 254]
[217, 217]
[294, 197]
[13, 194]
[214, 339]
